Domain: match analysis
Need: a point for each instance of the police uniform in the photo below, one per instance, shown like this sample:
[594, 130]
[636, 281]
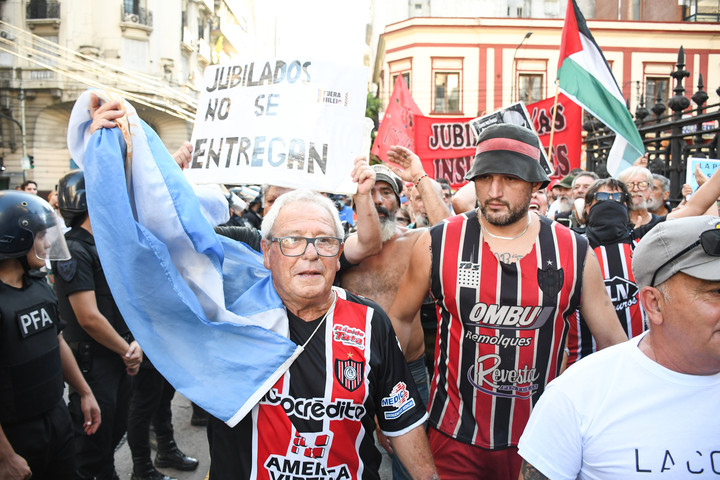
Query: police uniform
[103, 369]
[33, 413]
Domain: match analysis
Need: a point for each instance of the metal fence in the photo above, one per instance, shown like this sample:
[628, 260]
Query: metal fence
[669, 138]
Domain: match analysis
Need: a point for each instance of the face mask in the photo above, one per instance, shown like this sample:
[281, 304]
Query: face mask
[607, 223]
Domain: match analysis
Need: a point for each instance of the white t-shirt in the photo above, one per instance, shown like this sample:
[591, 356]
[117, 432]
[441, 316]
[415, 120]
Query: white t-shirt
[618, 414]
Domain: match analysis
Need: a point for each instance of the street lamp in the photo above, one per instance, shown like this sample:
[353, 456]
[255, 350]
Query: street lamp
[512, 68]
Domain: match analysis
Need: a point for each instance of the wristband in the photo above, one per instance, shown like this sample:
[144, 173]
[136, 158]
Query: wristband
[416, 182]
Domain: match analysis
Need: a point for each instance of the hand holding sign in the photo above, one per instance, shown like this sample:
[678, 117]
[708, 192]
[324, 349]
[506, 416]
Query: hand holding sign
[285, 122]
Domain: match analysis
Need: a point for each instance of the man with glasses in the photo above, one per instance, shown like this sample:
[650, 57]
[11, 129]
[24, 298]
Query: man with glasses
[639, 182]
[318, 419]
[647, 407]
[613, 240]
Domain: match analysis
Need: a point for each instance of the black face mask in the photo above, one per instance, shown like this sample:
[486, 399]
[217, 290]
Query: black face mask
[608, 223]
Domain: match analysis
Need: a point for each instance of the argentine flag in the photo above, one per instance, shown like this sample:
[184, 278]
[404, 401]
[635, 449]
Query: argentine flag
[202, 307]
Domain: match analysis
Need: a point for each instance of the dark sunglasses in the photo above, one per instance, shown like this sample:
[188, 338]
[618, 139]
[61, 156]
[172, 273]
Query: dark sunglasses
[603, 196]
[710, 241]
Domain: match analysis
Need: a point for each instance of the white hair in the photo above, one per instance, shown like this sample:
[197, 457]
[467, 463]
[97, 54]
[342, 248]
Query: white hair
[295, 196]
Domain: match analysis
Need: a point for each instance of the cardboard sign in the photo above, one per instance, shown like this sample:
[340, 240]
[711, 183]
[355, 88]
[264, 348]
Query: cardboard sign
[708, 166]
[516, 114]
[291, 122]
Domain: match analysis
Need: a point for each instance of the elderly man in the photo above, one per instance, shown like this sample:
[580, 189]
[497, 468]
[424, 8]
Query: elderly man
[658, 203]
[504, 281]
[639, 182]
[318, 419]
[647, 407]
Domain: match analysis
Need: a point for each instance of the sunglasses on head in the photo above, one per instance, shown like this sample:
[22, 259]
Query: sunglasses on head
[603, 196]
[710, 241]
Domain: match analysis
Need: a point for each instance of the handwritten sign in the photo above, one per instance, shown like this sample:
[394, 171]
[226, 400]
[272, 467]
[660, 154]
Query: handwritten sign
[291, 122]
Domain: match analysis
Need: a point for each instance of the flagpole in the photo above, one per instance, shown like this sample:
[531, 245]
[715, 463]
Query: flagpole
[552, 125]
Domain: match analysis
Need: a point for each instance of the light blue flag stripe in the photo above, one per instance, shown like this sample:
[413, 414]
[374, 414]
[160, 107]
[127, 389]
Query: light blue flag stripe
[218, 357]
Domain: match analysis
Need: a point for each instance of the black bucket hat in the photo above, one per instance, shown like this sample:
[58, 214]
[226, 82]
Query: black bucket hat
[509, 149]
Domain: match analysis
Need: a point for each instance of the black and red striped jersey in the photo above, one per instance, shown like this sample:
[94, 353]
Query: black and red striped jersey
[501, 328]
[616, 266]
[317, 421]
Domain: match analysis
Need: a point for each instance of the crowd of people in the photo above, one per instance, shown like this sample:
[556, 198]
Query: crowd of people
[436, 324]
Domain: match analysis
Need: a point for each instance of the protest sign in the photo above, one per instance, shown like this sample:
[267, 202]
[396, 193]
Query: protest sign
[708, 166]
[446, 147]
[516, 114]
[567, 138]
[292, 122]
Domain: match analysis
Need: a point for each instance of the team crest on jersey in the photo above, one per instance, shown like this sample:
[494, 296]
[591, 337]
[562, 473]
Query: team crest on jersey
[399, 399]
[67, 269]
[349, 373]
[352, 337]
[550, 280]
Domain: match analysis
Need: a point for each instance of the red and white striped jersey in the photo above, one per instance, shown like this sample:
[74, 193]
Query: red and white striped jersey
[616, 266]
[317, 421]
[501, 328]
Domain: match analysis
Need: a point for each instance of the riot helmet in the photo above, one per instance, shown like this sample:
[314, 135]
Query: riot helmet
[27, 222]
[71, 196]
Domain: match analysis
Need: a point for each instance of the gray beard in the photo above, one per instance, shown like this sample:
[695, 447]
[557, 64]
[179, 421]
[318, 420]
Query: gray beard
[421, 221]
[639, 206]
[387, 229]
[654, 204]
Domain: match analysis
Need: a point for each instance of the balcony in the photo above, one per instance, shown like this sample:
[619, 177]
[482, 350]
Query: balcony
[40, 14]
[140, 19]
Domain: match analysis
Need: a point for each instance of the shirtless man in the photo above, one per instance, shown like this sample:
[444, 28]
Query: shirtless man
[378, 276]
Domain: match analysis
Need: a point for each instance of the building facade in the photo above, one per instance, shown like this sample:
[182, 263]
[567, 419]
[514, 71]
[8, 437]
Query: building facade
[153, 52]
[462, 67]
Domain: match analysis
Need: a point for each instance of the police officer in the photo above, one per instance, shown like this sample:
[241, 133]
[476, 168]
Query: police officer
[96, 333]
[36, 433]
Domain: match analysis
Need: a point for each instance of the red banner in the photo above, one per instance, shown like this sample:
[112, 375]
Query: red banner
[446, 147]
[397, 125]
[567, 139]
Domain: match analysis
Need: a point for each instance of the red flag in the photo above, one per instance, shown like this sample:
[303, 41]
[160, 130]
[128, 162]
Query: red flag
[567, 139]
[397, 126]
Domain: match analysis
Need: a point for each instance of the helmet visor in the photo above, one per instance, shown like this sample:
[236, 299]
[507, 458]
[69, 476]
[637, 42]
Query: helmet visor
[50, 244]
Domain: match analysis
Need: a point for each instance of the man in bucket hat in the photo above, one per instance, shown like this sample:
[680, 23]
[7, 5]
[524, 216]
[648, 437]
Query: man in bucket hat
[504, 281]
[647, 407]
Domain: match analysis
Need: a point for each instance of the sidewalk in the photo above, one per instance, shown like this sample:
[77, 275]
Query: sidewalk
[193, 442]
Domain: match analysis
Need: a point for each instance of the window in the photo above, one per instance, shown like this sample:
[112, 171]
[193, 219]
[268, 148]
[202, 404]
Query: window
[406, 79]
[656, 88]
[47, 52]
[131, 6]
[701, 10]
[447, 92]
[530, 87]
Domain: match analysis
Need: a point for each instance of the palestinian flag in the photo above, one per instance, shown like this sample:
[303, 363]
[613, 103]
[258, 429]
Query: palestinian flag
[586, 78]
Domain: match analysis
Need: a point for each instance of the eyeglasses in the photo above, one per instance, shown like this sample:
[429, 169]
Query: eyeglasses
[710, 241]
[639, 185]
[295, 246]
[602, 196]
